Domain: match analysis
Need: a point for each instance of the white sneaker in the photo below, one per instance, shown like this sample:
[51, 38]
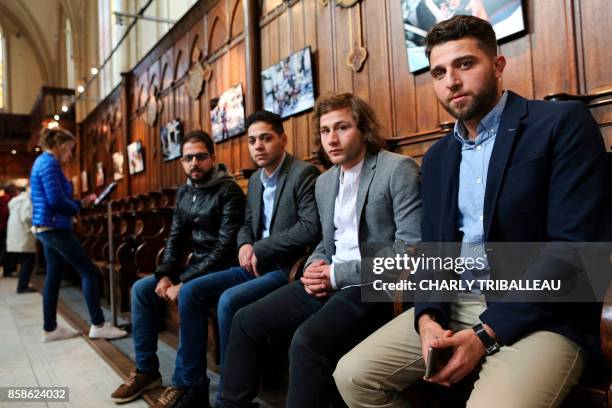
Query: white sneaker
[106, 331]
[60, 333]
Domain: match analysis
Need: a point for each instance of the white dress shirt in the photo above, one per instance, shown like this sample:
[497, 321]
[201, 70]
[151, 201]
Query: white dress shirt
[346, 236]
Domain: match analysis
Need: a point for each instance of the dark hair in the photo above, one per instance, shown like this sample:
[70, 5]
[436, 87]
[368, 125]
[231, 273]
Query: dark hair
[49, 138]
[11, 189]
[459, 27]
[362, 112]
[270, 118]
[199, 136]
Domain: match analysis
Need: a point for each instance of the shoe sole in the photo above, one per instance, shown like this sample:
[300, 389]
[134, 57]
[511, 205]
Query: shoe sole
[154, 384]
[109, 337]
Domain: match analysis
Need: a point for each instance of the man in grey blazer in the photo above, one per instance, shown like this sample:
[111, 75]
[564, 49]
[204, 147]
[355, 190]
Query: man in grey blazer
[281, 223]
[369, 196]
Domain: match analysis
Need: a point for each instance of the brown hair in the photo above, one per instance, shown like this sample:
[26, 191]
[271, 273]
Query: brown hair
[362, 113]
[459, 27]
[49, 138]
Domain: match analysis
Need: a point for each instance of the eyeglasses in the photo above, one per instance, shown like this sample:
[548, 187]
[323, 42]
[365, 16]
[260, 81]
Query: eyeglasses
[198, 156]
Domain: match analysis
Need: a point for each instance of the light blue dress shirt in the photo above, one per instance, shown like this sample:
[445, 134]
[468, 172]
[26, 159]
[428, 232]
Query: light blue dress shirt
[475, 157]
[269, 193]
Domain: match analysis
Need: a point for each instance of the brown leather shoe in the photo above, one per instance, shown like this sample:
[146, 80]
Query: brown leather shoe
[170, 397]
[135, 385]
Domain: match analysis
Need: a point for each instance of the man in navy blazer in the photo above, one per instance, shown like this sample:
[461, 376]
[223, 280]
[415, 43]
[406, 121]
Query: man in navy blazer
[512, 170]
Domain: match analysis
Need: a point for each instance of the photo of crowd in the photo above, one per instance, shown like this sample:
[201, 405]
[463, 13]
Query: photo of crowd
[288, 86]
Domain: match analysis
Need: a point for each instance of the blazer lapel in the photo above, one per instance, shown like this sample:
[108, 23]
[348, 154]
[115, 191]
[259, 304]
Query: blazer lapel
[256, 211]
[509, 128]
[280, 184]
[327, 207]
[450, 159]
[365, 179]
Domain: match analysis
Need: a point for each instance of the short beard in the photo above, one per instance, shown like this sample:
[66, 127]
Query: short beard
[202, 180]
[483, 102]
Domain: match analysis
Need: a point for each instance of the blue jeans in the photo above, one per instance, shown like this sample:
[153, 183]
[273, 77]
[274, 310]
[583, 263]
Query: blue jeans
[58, 244]
[232, 289]
[147, 310]
[26, 265]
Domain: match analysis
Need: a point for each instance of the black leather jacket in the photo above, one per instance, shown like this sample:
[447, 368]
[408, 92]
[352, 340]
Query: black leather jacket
[211, 216]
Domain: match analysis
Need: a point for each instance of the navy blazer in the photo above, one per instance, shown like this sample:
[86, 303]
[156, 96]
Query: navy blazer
[547, 181]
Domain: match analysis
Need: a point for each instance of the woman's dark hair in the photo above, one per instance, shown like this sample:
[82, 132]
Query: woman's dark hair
[199, 136]
[459, 27]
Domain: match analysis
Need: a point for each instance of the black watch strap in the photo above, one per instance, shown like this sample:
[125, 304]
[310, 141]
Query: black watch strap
[490, 344]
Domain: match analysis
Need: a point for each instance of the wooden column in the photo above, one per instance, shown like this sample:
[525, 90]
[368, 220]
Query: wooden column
[253, 61]
[126, 86]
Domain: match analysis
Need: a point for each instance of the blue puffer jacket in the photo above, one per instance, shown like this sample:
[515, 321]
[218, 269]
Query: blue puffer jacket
[52, 202]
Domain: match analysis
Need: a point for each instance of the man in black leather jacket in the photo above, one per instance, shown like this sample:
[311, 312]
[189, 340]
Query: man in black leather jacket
[209, 210]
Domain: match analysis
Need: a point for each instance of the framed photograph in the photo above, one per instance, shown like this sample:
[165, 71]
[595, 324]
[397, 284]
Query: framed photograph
[227, 115]
[84, 183]
[170, 137]
[288, 86]
[506, 17]
[74, 180]
[99, 174]
[135, 159]
[118, 160]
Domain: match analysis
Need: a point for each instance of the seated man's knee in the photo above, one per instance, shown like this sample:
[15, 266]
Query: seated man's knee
[227, 304]
[141, 287]
[348, 370]
[303, 340]
[188, 297]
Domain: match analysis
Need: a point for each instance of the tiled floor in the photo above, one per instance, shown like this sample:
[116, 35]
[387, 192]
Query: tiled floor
[26, 361]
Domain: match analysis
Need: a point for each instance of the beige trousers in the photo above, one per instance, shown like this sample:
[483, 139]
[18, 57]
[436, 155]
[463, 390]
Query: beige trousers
[536, 371]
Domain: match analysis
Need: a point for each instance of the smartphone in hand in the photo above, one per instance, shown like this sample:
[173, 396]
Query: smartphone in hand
[437, 359]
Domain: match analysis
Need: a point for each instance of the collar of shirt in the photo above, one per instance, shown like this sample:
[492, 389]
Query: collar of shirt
[271, 179]
[487, 127]
[351, 175]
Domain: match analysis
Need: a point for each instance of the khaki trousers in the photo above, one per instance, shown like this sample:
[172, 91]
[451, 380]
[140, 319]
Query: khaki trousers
[536, 371]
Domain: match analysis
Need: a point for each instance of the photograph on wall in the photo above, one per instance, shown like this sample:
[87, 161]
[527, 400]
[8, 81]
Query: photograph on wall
[506, 17]
[84, 183]
[227, 114]
[170, 137]
[135, 159]
[99, 174]
[287, 86]
[117, 166]
[75, 183]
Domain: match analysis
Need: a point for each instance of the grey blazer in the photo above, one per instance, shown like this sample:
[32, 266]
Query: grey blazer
[388, 209]
[295, 220]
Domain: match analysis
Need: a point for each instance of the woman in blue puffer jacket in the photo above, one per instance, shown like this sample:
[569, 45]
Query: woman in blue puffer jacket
[52, 214]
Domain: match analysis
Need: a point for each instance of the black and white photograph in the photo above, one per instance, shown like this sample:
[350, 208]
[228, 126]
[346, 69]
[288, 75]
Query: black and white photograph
[99, 174]
[135, 159]
[288, 86]
[170, 137]
[227, 115]
[118, 160]
[506, 17]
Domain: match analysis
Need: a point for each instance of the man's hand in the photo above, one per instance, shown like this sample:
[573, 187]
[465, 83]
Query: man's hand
[468, 350]
[172, 293]
[254, 265]
[245, 253]
[163, 284]
[429, 330]
[316, 279]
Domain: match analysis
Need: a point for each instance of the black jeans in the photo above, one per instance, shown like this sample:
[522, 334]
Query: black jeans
[323, 331]
[26, 265]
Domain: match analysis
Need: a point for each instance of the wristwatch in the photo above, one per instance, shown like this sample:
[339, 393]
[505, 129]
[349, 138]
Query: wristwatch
[490, 344]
